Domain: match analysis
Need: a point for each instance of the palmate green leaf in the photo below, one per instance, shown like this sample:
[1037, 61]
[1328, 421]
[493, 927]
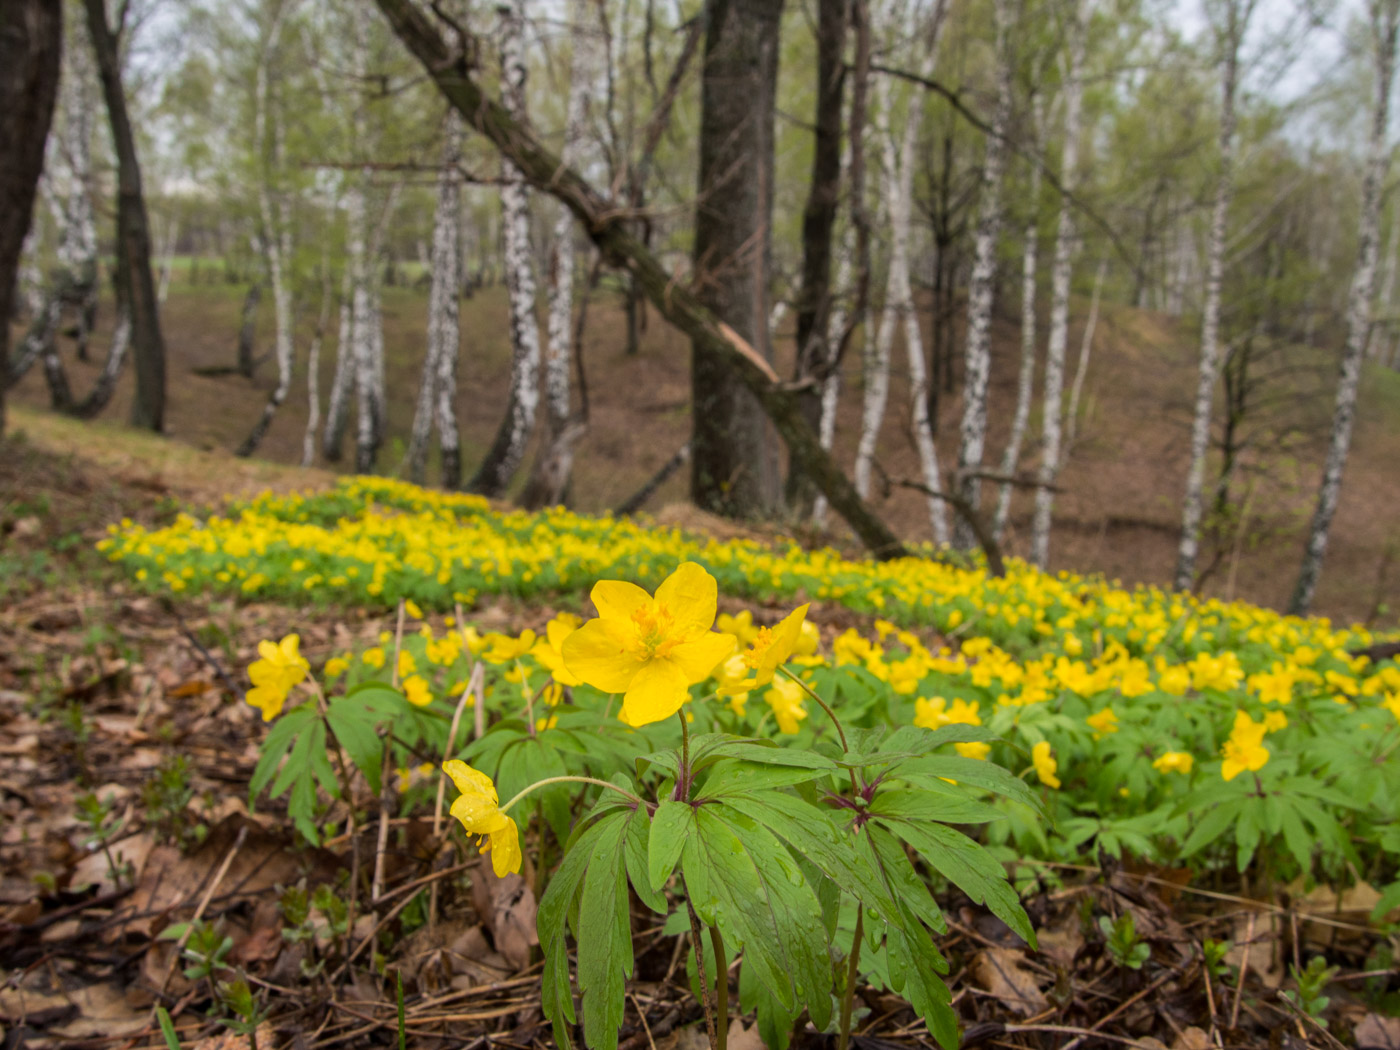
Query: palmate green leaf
[914, 741]
[283, 733]
[971, 771]
[742, 879]
[1211, 826]
[355, 719]
[967, 865]
[775, 1021]
[950, 807]
[910, 892]
[638, 836]
[735, 776]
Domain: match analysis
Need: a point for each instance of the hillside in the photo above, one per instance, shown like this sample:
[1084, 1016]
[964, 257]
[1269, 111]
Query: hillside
[1116, 514]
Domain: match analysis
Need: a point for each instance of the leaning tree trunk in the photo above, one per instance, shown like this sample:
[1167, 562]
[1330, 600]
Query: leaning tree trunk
[31, 43]
[313, 362]
[343, 381]
[553, 467]
[135, 281]
[1025, 376]
[439, 382]
[1385, 299]
[1086, 344]
[503, 458]
[1192, 503]
[734, 461]
[977, 359]
[1385, 16]
[677, 303]
[814, 300]
[1060, 272]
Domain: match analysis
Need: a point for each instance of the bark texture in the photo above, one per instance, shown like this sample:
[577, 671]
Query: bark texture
[135, 281]
[734, 462]
[31, 43]
[977, 357]
[1061, 270]
[679, 304]
[1384, 18]
[518, 424]
[1230, 34]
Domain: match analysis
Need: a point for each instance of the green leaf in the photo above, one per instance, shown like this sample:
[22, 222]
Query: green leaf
[950, 808]
[550, 922]
[1211, 827]
[355, 718]
[671, 825]
[605, 934]
[986, 775]
[968, 866]
[638, 836]
[744, 777]
[280, 737]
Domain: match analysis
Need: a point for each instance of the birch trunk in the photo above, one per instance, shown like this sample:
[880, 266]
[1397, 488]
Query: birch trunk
[1060, 273]
[1025, 376]
[338, 407]
[553, 467]
[1236, 15]
[835, 328]
[977, 359]
[503, 458]
[1082, 369]
[1384, 18]
[313, 364]
[276, 233]
[439, 382]
[77, 246]
[1383, 332]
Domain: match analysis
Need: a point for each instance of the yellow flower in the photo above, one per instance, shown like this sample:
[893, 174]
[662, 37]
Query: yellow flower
[541, 724]
[785, 698]
[1174, 762]
[407, 665]
[1244, 750]
[336, 666]
[502, 648]
[1105, 721]
[973, 749]
[549, 650]
[478, 809]
[416, 690]
[771, 648]
[281, 668]
[935, 713]
[373, 657]
[1392, 704]
[1045, 764]
[1274, 721]
[652, 650]
[739, 625]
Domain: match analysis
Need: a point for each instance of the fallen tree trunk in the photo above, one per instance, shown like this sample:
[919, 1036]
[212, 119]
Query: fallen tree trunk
[606, 227]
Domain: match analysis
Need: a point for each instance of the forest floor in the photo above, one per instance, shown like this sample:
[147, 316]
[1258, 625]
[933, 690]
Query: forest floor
[106, 691]
[1117, 512]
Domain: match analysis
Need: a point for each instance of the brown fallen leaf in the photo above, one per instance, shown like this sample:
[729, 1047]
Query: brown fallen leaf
[507, 905]
[1002, 972]
[229, 1040]
[1192, 1038]
[1378, 1033]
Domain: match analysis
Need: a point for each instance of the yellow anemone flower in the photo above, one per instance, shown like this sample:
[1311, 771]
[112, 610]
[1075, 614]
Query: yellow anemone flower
[281, 668]
[502, 648]
[771, 648]
[477, 807]
[416, 691]
[1174, 762]
[1105, 721]
[1045, 764]
[1245, 749]
[652, 650]
[785, 697]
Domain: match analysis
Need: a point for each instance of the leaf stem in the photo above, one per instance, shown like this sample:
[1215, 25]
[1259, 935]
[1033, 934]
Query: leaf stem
[852, 972]
[682, 790]
[820, 703]
[567, 780]
[721, 988]
[706, 1004]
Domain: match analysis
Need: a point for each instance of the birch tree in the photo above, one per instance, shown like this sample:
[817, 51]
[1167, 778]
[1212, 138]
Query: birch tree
[437, 390]
[553, 467]
[1384, 17]
[1061, 269]
[977, 358]
[1086, 345]
[1025, 375]
[1230, 21]
[503, 458]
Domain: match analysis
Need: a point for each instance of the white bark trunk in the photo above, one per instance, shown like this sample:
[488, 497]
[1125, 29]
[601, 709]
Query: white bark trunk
[836, 326]
[439, 376]
[1082, 369]
[1383, 331]
[507, 450]
[1385, 17]
[1237, 13]
[1060, 273]
[977, 360]
[344, 379]
[1025, 377]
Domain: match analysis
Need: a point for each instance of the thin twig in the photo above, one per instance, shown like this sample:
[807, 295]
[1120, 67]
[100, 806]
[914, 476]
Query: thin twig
[203, 904]
[1244, 970]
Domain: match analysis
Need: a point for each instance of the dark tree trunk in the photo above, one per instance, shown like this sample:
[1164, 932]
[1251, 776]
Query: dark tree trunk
[734, 465]
[247, 330]
[136, 285]
[818, 223]
[31, 41]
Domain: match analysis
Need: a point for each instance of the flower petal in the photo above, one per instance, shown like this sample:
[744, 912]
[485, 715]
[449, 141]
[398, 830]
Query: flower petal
[696, 659]
[617, 599]
[469, 781]
[478, 814]
[598, 653]
[691, 595]
[785, 638]
[657, 692]
[505, 849]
